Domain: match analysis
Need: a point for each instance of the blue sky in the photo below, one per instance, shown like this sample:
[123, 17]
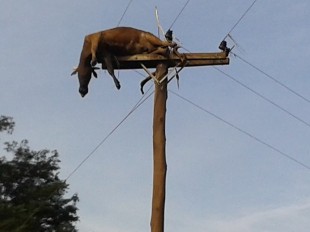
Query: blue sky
[219, 179]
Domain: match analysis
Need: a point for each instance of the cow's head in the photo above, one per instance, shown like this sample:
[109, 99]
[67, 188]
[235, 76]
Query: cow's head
[84, 75]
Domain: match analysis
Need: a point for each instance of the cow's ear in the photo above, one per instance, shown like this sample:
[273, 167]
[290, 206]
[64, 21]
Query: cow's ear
[75, 71]
[94, 72]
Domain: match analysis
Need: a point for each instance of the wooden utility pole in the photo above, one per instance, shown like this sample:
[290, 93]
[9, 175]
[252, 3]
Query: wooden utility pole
[159, 137]
[159, 151]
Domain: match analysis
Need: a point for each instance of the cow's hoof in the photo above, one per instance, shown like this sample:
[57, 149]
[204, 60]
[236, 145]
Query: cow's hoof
[118, 85]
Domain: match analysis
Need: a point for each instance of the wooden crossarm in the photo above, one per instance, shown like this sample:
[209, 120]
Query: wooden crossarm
[152, 60]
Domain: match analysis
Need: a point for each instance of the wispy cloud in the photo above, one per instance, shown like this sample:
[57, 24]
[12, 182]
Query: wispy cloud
[294, 217]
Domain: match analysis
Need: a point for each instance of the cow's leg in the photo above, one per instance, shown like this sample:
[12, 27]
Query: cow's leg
[93, 57]
[181, 56]
[175, 48]
[161, 51]
[94, 47]
[164, 51]
[108, 62]
[145, 81]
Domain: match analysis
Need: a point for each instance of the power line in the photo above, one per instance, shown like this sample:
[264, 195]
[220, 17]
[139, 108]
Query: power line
[260, 95]
[136, 106]
[244, 14]
[255, 67]
[272, 78]
[119, 22]
[176, 18]
[264, 98]
[290, 157]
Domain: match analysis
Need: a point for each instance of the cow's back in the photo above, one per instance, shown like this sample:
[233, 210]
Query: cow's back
[128, 41]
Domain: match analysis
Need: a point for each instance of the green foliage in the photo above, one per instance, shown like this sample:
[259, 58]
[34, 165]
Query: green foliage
[6, 124]
[31, 193]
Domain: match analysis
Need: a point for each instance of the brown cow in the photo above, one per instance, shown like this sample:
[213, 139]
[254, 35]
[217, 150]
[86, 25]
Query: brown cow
[102, 47]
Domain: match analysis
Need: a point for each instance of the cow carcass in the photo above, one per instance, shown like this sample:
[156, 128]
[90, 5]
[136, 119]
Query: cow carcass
[103, 47]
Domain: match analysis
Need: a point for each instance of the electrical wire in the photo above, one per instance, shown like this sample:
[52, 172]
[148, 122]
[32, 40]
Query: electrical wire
[121, 19]
[263, 97]
[244, 14]
[176, 18]
[272, 78]
[136, 106]
[277, 150]
[266, 74]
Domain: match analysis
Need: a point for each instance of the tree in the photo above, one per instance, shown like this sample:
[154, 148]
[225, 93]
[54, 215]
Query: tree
[6, 124]
[31, 193]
